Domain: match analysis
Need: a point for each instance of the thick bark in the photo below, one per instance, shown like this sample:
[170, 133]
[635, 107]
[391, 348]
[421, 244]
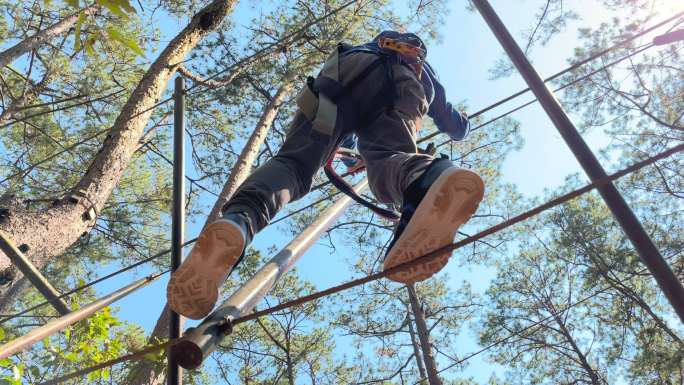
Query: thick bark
[416, 348]
[146, 373]
[49, 33]
[424, 337]
[18, 285]
[48, 233]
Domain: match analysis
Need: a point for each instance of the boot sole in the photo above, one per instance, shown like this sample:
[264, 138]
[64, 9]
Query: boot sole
[449, 203]
[194, 288]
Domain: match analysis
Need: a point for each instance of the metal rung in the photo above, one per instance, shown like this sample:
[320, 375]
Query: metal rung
[33, 274]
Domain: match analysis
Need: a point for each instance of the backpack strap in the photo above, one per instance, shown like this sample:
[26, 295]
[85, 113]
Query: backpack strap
[324, 100]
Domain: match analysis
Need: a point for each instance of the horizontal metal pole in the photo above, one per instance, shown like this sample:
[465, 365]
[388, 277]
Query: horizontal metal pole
[200, 341]
[669, 38]
[649, 253]
[56, 325]
[33, 274]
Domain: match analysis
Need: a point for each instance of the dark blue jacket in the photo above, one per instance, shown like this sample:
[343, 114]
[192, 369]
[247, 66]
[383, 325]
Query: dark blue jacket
[446, 117]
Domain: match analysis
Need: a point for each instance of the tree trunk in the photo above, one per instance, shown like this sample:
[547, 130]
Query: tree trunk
[243, 165]
[581, 357]
[33, 42]
[416, 348]
[18, 285]
[424, 337]
[289, 363]
[50, 232]
[146, 373]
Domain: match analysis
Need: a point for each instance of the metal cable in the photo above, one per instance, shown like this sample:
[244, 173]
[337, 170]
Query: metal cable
[448, 248]
[471, 239]
[575, 66]
[251, 57]
[96, 281]
[321, 185]
[139, 355]
[422, 259]
[564, 86]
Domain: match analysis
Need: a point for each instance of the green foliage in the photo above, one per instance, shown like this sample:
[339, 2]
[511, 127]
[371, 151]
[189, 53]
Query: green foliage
[541, 267]
[98, 338]
[119, 9]
[287, 347]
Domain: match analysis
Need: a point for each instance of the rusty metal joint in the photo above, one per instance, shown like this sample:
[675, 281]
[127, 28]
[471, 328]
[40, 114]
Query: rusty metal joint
[225, 326]
[81, 197]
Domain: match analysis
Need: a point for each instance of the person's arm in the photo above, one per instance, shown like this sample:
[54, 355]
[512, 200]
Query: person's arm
[446, 117]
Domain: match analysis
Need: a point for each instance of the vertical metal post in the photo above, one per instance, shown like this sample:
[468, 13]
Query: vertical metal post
[200, 341]
[175, 373]
[32, 273]
[654, 261]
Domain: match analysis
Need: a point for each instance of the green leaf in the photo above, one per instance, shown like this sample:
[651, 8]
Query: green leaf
[34, 371]
[2, 334]
[77, 32]
[114, 6]
[73, 3]
[130, 43]
[16, 373]
[89, 45]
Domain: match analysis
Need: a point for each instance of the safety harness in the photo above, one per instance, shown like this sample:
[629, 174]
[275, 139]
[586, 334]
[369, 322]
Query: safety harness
[328, 104]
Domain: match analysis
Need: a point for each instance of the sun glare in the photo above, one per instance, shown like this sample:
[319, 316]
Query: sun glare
[673, 5]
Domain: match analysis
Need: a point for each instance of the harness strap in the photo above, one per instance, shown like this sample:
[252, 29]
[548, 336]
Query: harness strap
[324, 98]
[320, 108]
[319, 101]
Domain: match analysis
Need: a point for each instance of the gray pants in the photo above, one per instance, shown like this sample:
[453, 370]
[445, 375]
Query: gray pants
[387, 145]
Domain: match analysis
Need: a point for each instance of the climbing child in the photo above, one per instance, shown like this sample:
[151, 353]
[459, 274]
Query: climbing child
[378, 92]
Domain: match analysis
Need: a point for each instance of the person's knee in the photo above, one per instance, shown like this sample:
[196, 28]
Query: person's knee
[299, 173]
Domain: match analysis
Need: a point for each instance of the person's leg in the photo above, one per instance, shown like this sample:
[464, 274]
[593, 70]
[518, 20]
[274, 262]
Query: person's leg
[193, 288]
[284, 178]
[436, 198]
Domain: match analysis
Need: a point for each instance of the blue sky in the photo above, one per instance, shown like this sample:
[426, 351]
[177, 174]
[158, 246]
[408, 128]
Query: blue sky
[462, 61]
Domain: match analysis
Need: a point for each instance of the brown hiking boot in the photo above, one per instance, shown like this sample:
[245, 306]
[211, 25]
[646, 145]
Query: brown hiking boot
[194, 288]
